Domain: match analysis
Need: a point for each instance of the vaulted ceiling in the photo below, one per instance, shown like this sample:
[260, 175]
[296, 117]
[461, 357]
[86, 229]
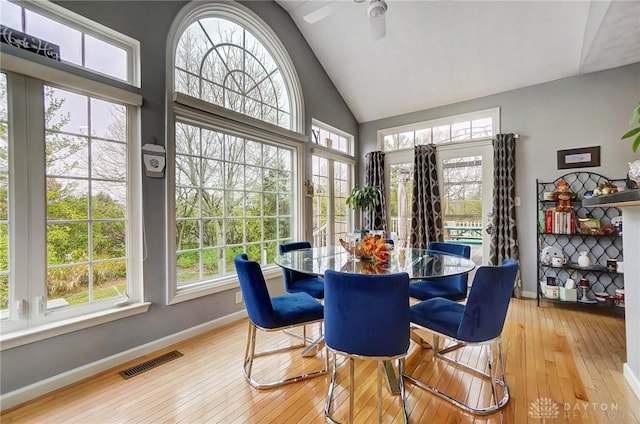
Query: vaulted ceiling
[441, 52]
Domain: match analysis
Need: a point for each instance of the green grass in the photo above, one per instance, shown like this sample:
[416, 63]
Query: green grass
[100, 293]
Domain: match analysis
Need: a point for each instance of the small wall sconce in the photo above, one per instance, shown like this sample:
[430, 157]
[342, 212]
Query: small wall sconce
[153, 156]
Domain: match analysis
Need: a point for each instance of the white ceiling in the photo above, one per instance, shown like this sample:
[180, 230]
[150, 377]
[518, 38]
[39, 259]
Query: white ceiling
[441, 52]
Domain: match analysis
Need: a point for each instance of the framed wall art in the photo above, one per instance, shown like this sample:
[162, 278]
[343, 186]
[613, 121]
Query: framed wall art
[579, 158]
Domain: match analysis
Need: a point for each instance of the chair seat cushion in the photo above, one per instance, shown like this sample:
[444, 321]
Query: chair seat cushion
[294, 308]
[312, 285]
[438, 314]
[429, 289]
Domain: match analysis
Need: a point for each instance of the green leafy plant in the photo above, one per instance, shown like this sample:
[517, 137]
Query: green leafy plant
[363, 198]
[635, 116]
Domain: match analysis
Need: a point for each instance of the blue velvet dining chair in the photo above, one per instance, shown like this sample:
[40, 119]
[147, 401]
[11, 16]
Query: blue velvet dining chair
[478, 322]
[273, 314]
[296, 282]
[366, 317]
[453, 287]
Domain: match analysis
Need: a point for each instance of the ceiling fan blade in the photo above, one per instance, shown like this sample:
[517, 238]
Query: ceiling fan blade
[319, 14]
[378, 27]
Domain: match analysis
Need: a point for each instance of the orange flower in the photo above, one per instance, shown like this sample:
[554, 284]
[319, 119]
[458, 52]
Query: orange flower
[374, 247]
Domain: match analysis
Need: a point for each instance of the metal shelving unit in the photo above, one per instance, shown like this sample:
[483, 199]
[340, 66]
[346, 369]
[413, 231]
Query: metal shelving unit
[600, 247]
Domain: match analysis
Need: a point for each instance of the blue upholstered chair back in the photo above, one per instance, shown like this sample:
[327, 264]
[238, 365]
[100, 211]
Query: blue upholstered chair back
[289, 276]
[459, 281]
[255, 292]
[367, 315]
[488, 301]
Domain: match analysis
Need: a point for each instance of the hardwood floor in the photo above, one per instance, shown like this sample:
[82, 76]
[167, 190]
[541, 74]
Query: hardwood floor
[563, 366]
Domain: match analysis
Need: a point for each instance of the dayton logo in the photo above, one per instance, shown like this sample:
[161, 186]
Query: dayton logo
[544, 408]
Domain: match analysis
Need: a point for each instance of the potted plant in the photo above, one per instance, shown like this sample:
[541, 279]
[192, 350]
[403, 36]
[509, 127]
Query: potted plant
[635, 116]
[634, 167]
[363, 198]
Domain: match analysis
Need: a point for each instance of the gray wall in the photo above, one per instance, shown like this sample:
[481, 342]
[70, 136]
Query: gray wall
[149, 22]
[581, 111]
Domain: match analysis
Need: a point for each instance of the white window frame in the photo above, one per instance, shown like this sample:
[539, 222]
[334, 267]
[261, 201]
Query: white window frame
[393, 157]
[203, 114]
[321, 147]
[28, 188]
[94, 29]
[493, 113]
[333, 155]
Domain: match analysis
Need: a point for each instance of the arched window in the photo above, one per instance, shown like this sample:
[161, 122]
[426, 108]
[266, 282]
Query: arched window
[225, 55]
[234, 147]
[220, 62]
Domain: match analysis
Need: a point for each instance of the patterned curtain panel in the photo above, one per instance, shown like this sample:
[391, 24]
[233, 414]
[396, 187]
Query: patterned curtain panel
[376, 219]
[504, 234]
[426, 222]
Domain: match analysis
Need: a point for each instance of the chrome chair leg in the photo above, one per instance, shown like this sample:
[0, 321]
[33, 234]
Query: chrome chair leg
[392, 380]
[382, 367]
[503, 375]
[250, 355]
[379, 390]
[403, 397]
[250, 350]
[495, 404]
[436, 347]
[332, 385]
[494, 393]
[314, 347]
[351, 389]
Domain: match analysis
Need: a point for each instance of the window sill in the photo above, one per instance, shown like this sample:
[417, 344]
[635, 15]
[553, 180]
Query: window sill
[23, 337]
[227, 283]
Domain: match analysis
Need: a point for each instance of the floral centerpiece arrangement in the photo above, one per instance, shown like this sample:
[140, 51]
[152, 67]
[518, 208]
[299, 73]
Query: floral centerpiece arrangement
[365, 267]
[371, 247]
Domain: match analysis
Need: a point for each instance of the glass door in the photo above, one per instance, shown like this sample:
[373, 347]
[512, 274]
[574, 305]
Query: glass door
[399, 167]
[332, 184]
[466, 187]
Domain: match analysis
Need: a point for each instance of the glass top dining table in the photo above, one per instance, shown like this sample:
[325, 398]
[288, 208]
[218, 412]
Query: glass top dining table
[418, 263]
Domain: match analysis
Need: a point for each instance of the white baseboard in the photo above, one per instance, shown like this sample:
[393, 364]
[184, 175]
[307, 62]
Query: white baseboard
[632, 379]
[527, 294]
[43, 387]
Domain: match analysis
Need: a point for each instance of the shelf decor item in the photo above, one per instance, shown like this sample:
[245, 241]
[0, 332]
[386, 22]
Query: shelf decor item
[548, 253]
[568, 294]
[588, 225]
[584, 260]
[584, 289]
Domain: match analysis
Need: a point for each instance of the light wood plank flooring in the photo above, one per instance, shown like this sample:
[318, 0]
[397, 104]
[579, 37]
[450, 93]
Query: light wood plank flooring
[563, 366]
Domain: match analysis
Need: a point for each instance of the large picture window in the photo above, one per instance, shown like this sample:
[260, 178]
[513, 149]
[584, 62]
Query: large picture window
[70, 182]
[232, 195]
[86, 183]
[235, 150]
